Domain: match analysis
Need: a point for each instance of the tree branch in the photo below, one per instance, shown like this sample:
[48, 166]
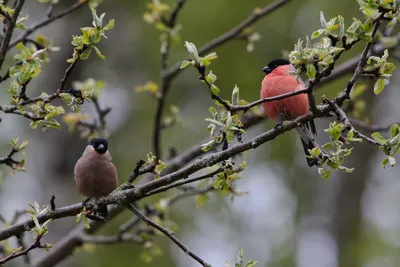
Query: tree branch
[360, 66]
[10, 29]
[165, 81]
[168, 233]
[230, 35]
[46, 22]
[14, 255]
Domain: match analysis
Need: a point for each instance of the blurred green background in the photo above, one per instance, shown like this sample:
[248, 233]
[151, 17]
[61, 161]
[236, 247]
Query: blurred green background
[291, 216]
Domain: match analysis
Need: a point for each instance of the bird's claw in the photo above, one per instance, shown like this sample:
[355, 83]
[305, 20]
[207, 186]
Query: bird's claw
[86, 201]
[278, 126]
[96, 217]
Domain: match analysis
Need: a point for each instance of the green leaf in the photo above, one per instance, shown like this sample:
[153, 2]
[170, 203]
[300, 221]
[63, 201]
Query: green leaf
[110, 25]
[379, 138]
[86, 54]
[99, 54]
[207, 146]
[315, 34]
[185, 64]
[385, 161]
[235, 95]
[211, 77]
[311, 71]
[214, 89]
[395, 130]
[328, 146]
[345, 169]
[324, 173]
[251, 263]
[315, 152]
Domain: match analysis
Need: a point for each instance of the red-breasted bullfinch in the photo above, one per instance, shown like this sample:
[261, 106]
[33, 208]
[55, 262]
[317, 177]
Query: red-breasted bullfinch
[95, 173]
[280, 80]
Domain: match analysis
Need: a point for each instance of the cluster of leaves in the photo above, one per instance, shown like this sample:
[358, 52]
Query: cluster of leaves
[333, 153]
[90, 36]
[381, 69]
[14, 143]
[82, 216]
[389, 146]
[45, 112]
[228, 127]
[89, 89]
[156, 16]
[160, 165]
[225, 179]
[240, 261]
[194, 58]
[313, 59]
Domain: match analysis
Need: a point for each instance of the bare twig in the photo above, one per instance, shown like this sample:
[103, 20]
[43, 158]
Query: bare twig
[187, 181]
[107, 240]
[190, 194]
[138, 171]
[52, 202]
[169, 234]
[371, 127]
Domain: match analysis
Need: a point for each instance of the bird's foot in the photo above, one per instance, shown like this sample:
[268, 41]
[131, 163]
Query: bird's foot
[95, 217]
[278, 126]
[86, 201]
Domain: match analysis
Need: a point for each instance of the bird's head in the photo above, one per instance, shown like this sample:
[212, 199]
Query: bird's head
[100, 145]
[274, 64]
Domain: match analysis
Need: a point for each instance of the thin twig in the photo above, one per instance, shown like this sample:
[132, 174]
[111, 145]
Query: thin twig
[46, 21]
[107, 240]
[186, 181]
[190, 194]
[168, 233]
[371, 127]
[138, 171]
[14, 255]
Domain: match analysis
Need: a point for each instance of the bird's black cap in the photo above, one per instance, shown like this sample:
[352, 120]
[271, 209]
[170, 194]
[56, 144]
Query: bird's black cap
[274, 64]
[99, 144]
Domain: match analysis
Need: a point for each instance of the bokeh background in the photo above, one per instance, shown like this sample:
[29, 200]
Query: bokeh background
[291, 216]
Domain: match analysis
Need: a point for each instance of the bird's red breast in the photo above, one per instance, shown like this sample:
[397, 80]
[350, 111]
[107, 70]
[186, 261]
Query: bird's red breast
[279, 82]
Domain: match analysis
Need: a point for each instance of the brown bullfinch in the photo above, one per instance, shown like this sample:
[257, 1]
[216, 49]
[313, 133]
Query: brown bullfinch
[280, 80]
[95, 173]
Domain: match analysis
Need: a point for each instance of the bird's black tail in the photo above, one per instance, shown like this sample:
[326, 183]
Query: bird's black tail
[306, 139]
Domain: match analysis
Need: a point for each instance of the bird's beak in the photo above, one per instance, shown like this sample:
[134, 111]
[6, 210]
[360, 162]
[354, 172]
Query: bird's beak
[101, 147]
[267, 70]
